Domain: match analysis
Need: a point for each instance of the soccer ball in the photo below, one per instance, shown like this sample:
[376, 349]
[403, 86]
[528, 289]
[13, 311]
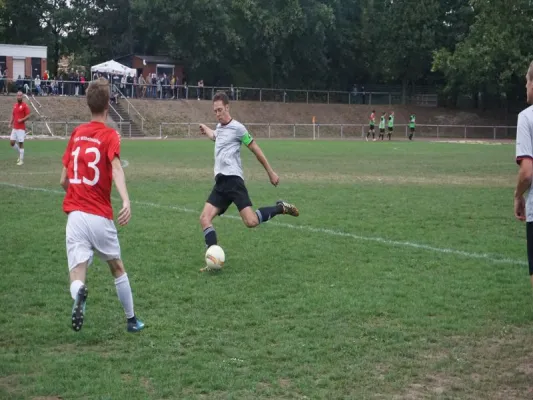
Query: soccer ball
[215, 257]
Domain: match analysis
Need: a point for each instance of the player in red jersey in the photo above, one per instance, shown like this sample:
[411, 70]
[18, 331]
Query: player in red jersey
[21, 112]
[90, 163]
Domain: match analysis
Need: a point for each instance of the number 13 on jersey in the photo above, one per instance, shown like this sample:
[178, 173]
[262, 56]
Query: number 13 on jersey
[91, 164]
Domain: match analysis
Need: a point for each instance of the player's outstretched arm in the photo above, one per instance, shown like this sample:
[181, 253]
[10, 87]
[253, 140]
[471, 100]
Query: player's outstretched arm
[210, 133]
[525, 175]
[64, 181]
[119, 178]
[254, 147]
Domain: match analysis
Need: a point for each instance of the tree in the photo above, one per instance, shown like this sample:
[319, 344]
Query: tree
[494, 56]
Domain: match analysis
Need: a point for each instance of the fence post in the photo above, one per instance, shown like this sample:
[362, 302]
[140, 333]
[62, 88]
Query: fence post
[66, 128]
[189, 129]
[269, 132]
[260, 94]
[328, 97]
[438, 131]
[406, 131]
[160, 130]
[349, 97]
[465, 131]
[362, 131]
[494, 133]
[130, 130]
[307, 97]
[370, 99]
[342, 131]
[294, 130]
[390, 99]
[318, 131]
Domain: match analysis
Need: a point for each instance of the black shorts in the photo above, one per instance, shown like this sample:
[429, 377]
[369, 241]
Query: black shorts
[372, 127]
[391, 128]
[381, 130]
[529, 237]
[227, 190]
[412, 129]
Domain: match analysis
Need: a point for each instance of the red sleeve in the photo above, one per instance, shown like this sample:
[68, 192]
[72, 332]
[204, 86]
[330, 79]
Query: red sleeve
[68, 150]
[113, 149]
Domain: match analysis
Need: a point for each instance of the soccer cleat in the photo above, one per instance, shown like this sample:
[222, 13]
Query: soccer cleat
[78, 309]
[288, 208]
[136, 326]
[19, 162]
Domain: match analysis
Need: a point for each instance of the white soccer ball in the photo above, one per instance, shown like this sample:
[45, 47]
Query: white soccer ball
[215, 257]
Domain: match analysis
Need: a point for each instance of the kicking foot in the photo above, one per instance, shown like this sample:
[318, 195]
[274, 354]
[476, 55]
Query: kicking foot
[288, 208]
[20, 162]
[78, 309]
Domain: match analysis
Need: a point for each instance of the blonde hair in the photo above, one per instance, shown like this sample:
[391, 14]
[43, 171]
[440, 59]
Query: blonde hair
[98, 96]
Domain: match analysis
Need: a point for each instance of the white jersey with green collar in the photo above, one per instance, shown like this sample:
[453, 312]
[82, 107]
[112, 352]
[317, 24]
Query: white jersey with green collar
[228, 140]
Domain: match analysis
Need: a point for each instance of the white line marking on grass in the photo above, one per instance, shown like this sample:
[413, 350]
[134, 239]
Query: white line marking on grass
[124, 163]
[35, 173]
[493, 258]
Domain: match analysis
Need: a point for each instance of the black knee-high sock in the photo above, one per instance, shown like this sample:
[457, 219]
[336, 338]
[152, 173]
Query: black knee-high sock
[266, 213]
[210, 236]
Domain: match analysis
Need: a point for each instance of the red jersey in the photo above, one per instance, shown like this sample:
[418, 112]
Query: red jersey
[88, 157]
[20, 110]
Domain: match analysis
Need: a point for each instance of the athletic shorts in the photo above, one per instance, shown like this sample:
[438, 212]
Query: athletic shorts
[529, 237]
[412, 129]
[227, 190]
[18, 135]
[391, 128]
[88, 234]
[372, 127]
[381, 130]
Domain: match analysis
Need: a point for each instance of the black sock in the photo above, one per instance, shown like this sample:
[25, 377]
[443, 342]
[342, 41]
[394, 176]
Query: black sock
[133, 319]
[210, 236]
[266, 213]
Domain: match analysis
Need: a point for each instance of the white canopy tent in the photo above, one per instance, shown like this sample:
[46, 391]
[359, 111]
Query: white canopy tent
[113, 67]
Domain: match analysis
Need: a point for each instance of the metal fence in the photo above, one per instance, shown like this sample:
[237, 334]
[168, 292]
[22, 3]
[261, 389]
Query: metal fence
[347, 131]
[176, 92]
[285, 131]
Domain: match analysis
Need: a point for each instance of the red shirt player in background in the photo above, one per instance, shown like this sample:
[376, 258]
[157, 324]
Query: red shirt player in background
[90, 163]
[21, 112]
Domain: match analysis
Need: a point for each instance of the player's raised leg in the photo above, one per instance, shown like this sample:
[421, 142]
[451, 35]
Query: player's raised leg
[125, 295]
[253, 218]
[14, 144]
[79, 293]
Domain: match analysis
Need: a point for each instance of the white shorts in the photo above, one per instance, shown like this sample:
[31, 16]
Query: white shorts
[18, 135]
[88, 233]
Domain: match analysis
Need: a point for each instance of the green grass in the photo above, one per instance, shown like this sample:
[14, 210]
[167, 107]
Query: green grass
[296, 313]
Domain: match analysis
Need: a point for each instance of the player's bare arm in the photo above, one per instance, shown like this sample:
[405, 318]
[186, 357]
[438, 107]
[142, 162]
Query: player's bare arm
[254, 148]
[210, 133]
[119, 178]
[64, 180]
[525, 176]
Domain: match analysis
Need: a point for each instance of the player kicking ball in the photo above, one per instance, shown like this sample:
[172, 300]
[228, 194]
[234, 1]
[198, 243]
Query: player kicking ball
[90, 163]
[229, 187]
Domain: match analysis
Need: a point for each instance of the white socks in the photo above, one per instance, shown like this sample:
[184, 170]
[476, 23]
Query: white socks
[122, 284]
[74, 287]
[21, 152]
[16, 147]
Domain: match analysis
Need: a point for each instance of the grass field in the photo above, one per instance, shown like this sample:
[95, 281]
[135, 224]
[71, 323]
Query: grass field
[403, 278]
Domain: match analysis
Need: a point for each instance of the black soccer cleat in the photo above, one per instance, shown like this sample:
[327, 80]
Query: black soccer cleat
[78, 309]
